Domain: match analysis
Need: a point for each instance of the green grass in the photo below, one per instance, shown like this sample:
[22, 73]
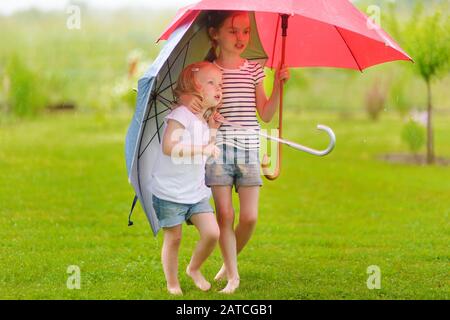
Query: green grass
[64, 200]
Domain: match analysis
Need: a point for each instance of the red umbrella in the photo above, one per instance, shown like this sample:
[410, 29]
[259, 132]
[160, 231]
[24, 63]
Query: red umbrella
[307, 33]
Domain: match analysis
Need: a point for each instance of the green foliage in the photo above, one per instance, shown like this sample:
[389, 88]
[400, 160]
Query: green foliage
[400, 97]
[413, 134]
[25, 90]
[4, 88]
[81, 67]
[88, 67]
[425, 35]
[427, 38]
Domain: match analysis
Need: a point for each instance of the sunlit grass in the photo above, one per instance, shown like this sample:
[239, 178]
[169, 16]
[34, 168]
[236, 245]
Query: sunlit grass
[64, 200]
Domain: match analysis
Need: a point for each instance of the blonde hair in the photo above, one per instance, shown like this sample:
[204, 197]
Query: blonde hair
[188, 84]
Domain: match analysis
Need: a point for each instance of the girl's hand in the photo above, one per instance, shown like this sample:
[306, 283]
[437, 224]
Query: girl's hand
[281, 75]
[215, 121]
[193, 103]
[211, 150]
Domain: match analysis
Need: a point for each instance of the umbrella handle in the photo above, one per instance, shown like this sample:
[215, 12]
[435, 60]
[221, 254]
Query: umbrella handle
[300, 147]
[265, 164]
[265, 160]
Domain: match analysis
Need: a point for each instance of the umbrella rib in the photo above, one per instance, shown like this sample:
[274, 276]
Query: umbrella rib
[176, 58]
[162, 90]
[157, 131]
[157, 125]
[166, 103]
[170, 79]
[150, 102]
[275, 40]
[161, 112]
[349, 49]
[165, 76]
[185, 49]
[185, 54]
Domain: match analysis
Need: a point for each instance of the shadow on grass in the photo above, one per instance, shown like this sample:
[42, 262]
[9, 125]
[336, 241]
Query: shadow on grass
[413, 159]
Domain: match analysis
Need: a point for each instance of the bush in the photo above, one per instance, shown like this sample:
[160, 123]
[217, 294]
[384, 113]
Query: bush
[24, 95]
[400, 97]
[375, 100]
[413, 134]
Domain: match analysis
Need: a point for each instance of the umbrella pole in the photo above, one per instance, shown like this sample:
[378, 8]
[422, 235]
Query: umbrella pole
[266, 161]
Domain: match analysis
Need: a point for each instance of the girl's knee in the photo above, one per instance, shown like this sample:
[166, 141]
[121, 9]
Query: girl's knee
[248, 219]
[215, 235]
[225, 216]
[173, 241]
[172, 237]
[176, 240]
[212, 234]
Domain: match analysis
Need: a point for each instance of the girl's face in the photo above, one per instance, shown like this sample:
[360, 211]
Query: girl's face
[234, 35]
[210, 80]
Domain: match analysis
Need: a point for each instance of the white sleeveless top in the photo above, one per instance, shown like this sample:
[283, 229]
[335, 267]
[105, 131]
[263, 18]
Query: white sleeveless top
[182, 180]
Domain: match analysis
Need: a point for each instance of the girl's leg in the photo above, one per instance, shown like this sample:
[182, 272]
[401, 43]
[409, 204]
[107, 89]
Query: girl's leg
[248, 215]
[225, 217]
[248, 198]
[209, 235]
[169, 257]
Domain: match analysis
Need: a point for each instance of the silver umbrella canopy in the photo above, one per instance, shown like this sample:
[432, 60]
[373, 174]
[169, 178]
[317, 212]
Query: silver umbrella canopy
[155, 97]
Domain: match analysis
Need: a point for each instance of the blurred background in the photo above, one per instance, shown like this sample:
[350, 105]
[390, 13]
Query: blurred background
[48, 63]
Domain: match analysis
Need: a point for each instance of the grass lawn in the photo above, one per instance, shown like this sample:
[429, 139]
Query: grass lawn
[64, 200]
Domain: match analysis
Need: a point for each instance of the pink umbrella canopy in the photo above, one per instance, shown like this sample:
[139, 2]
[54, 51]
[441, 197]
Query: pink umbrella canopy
[321, 33]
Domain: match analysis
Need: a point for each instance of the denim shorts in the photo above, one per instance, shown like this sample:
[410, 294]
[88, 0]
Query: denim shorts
[171, 214]
[234, 166]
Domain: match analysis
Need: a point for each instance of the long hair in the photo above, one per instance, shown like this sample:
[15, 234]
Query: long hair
[214, 20]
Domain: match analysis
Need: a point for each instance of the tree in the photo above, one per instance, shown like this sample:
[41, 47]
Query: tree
[426, 37]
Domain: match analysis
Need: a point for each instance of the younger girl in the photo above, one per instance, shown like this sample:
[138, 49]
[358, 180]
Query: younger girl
[243, 96]
[179, 190]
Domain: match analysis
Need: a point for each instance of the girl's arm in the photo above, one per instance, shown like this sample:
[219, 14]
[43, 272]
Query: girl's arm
[214, 122]
[172, 145]
[212, 135]
[267, 107]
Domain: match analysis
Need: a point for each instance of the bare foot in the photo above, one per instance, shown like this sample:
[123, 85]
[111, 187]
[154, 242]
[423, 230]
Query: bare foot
[221, 274]
[175, 290]
[232, 285]
[198, 279]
